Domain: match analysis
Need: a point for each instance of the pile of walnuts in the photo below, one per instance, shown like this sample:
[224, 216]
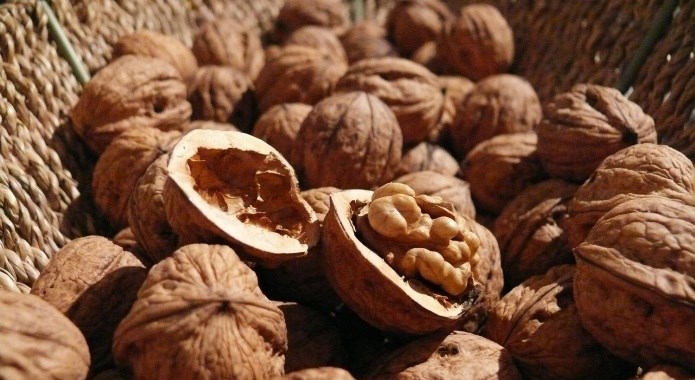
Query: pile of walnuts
[379, 200]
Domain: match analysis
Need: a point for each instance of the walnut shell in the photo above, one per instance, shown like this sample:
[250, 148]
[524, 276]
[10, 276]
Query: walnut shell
[202, 305]
[632, 172]
[459, 355]
[150, 43]
[119, 168]
[354, 129]
[634, 281]
[366, 39]
[321, 373]
[409, 89]
[294, 14]
[279, 126]
[233, 187]
[455, 90]
[321, 39]
[500, 168]
[130, 92]
[537, 322]
[428, 157]
[38, 341]
[93, 282]
[449, 188]
[667, 372]
[208, 124]
[412, 23]
[226, 42]
[478, 42]
[297, 74]
[530, 231]
[582, 127]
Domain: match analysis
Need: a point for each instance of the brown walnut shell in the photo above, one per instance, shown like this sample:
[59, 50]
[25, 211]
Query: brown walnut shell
[201, 315]
[426, 156]
[349, 140]
[321, 373]
[94, 283]
[449, 188]
[366, 39]
[667, 372]
[38, 342]
[634, 281]
[412, 23]
[636, 171]
[130, 92]
[233, 187]
[279, 126]
[321, 39]
[582, 127]
[409, 89]
[455, 90]
[478, 42]
[537, 322]
[530, 231]
[294, 14]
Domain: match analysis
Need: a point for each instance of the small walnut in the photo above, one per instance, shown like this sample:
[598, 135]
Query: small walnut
[279, 126]
[412, 23]
[529, 231]
[93, 282]
[223, 94]
[350, 140]
[297, 74]
[409, 89]
[500, 168]
[634, 281]
[537, 322]
[38, 341]
[366, 39]
[498, 104]
[478, 42]
[449, 188]
[294, 14]
[582, 127]
[321, 373]
[226, 42]
[428, 157]
[202, 305]
[455, 90]
[130, 92]
[157, 45]
[667, 372]
[321, 39]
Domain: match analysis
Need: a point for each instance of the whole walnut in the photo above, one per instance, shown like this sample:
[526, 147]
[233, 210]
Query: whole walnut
[498, 104]
[294, 14]
[537, 322]
[157, 45]
[320, 373]
[633, 172]
[667, 372]
[426, 156]
[94, 283]
[202, 305]
[279, 126]
[477, 43]
[582, 127]
[409, 89]
[530, 231]
[223, 94]
[38, 341]
[500, 168]
[455, 89]
[349, 140]
[319, 38]
[297, 74]
[366, 39]
[412, 23]
[130, 92]
[226, 42]
[451, 189]
[634, 281]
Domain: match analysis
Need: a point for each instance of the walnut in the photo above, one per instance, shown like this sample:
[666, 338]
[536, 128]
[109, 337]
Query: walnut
[455, 90]
[537, 322]
[497, 104]
[412, 23]
[233, 187]
[427, 156]
[459, 355]
[294, 14]
[500, 168]
[427, 55]
[279, 126]
[130, 92]
[38, 341]
[223, 94]
[201, 315]
[321, 373]
[120, 166]
[208, 124]
[226, 42]
[297, 74]
[366, 39]
[530, 233]
[449, 188]
[585, 125]
[632, 172]
[667, 372]
[93, 282]
[357, 132]
[319, 38]
[416, 250]
[157, 45]
[478, 42]
[409, 89]
[634, 281]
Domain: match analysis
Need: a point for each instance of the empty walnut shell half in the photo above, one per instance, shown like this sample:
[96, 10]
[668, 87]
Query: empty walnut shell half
[366, 39]
[451, 189]
[667, 372]
[412, 23]
[294, 14]
[582, 127]
[635, 279]
[320, 373]
[233, 187]
[279, 126]
[319, 38]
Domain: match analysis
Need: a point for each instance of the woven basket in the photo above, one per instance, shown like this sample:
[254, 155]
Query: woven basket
[645, 48]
